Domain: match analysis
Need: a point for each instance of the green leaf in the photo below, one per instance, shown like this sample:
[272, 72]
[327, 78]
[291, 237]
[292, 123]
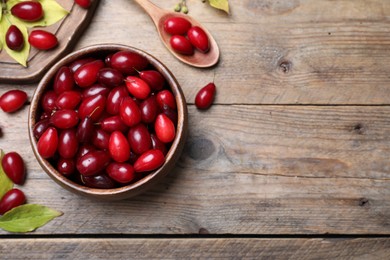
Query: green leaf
[53, 12]
[220, 4]
[27, 218]
[5, 183]
[22, 55]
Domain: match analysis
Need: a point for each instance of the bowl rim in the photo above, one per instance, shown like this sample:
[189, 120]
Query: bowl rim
[151, 178]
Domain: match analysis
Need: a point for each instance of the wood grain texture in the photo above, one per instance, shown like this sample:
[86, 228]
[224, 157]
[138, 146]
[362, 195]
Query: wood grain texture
[208, 248]
[245, 170]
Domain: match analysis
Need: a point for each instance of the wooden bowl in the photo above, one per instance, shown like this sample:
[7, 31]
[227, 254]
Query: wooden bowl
[148, 180]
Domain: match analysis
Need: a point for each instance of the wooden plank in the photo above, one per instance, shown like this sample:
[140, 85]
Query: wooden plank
[283, 52]
[245, 170]
[205, 248]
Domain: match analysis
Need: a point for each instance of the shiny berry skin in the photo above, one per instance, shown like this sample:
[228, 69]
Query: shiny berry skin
[98, 181]
[166, 97]
[157, 144]
[149, 161]
[68, 144]
[83, 3]
[84, 149]
[205, 97]
[93, 107]
[93, 162]
[14, 38]
[129, 112]
[128, 62]
[87, 74]
[48, 101]
[176, 25]
[29, 11]
[100, 139]
[149, 109]
[85, 130]
[64, 118]
[113, 123]
[42, 40]
[153, 78]
[110, 77]
[68, 99]
[114, 99]
[12, 100]
[119, 147]
[121, 172]
[95, 89]
[164, 128]
[13, 167]
[139, 139]
[75, 65]
[181, 45]
[169, 112]
[48, 143]
[63, 80]
[137, 87]
[11, 199]
[66, 167]
[199, 39]
[40, 127]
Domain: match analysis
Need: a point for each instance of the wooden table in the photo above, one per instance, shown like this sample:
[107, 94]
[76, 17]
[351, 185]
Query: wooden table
[291, 162]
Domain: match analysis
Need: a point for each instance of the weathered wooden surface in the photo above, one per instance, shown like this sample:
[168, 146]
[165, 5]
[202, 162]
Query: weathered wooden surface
[298, 142]
[207, 248]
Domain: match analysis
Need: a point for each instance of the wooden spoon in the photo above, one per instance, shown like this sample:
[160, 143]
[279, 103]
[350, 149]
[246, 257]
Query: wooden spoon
[198, 59]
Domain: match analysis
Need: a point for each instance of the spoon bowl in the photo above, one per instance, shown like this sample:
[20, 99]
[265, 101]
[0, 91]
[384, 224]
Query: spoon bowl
[198, 59]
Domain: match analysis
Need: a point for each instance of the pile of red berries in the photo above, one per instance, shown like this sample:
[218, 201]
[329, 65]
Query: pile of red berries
[106, 122]
[13, 166]
[32, 11]
[196, 38]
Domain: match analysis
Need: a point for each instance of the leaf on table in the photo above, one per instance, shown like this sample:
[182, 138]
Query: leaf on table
[53, 12]
[20, 56]
[5, 183]
[27, 218]
[220, 4]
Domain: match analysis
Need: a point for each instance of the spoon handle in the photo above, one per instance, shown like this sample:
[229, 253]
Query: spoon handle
[153, 10]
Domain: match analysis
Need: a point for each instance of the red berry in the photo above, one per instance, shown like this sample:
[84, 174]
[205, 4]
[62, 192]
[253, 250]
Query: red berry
[12, 100]
[165, 129]
[137, 87]
[40, 127]
[119, 147]
[66, 167]
[48, 143]
[68, 144]
[42, 40]
[85, 130]
[129, 112]
[87, 74]
[176, 25]
[30, 11]
[94, 90]
[93, 107]
[48, 101]
[149, 161]
[101, 139]
[199, 39]
[149, 109]
[166, 97]
[181, 45]
[113, 123]
[110, 77]
[83, 3]
[128, 62]
[68, 99]
[157, 144]
[139, 139]
[64, 118]
[121, 172]
[205, 96]
[14, 38]
[114, 99]
[98, 181]
[11, 199]
[64, 80]
[93, 162]
[153, 78]
[75, 65]
[13, 166]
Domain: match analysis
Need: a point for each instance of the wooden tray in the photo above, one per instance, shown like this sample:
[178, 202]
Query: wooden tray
[67, 31]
